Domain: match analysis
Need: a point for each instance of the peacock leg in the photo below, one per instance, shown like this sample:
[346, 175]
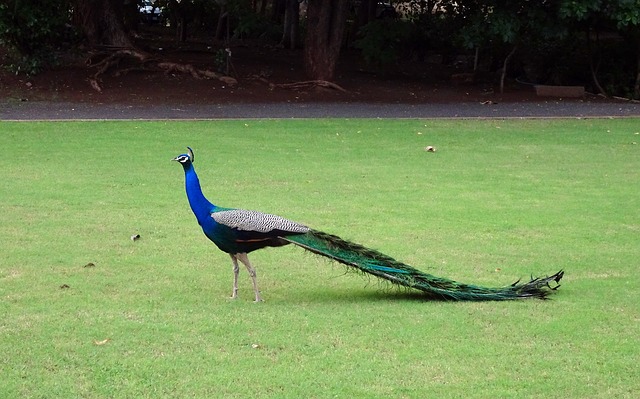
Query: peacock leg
[242, 257]
[236, 271]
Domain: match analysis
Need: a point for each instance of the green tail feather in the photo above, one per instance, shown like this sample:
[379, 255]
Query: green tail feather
[385, 267]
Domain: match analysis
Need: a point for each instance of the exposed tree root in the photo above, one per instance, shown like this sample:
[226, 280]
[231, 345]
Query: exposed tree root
[142, 61]
[307, 84]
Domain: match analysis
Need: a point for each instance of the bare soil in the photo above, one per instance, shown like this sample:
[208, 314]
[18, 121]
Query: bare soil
[258, 68]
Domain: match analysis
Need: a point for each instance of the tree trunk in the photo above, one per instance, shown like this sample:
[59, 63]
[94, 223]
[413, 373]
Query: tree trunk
[636, 87]
[223, 24]
[102, 22]
[278, 10]
[371, 7]
[593, 66]
[326, 20]
[263, 7]
[181, 29]
[504, 67]
[291, 24]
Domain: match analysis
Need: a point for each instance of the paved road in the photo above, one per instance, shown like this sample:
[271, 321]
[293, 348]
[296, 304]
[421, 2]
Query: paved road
[542, 109]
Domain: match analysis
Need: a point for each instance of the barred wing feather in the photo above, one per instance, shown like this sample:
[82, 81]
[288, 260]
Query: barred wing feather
[257, 221]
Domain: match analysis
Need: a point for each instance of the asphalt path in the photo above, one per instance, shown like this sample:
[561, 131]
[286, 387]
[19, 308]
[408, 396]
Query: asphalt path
[29, 111]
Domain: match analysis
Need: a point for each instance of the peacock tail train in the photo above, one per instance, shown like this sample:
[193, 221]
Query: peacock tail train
[380, 265]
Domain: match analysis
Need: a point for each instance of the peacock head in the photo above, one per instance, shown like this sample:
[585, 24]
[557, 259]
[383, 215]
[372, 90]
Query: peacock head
[185, 159]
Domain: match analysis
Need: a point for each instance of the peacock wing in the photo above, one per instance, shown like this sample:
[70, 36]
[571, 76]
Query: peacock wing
[263, 224]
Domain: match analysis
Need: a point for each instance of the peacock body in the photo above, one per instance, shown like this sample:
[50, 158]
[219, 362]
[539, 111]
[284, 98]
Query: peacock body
[239, 232]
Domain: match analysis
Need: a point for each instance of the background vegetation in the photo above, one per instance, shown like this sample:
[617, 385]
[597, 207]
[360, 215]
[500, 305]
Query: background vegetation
[585, 42]
[87, 312]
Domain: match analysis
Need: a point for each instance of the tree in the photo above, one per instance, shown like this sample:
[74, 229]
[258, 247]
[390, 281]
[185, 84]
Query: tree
[326, 21]
[608, 16]
[629, 23]
[102, 22]
[32, 31]
[515, 24]
[291, 28]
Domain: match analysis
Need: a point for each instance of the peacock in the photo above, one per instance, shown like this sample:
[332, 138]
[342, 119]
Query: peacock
[239, 232]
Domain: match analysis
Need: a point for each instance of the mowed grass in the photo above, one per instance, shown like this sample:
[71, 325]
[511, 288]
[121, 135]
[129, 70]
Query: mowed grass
[87, 312]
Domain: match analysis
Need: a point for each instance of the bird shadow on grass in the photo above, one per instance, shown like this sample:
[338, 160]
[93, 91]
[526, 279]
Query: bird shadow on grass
[393, 294]
[372, 290]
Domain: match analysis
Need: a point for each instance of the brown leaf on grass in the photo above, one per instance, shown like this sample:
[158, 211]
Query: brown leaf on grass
[65, 286]
[104, 341]
[90, 264]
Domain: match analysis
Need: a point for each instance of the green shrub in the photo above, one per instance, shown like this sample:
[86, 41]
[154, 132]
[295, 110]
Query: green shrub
[31, 31]
[383, 41]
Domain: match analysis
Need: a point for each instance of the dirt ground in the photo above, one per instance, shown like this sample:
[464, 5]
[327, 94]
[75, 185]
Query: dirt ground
[255, 66]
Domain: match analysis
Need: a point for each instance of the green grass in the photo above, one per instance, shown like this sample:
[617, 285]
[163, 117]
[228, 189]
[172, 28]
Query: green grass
[497, 201]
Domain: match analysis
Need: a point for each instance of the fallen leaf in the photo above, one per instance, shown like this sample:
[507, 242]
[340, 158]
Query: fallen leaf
[104, 341]
[90, 264]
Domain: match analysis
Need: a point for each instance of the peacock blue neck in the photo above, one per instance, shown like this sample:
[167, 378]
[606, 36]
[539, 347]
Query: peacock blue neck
[200, 206]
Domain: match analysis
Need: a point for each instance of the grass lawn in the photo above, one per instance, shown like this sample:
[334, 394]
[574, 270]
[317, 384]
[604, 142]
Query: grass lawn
[87, 312]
